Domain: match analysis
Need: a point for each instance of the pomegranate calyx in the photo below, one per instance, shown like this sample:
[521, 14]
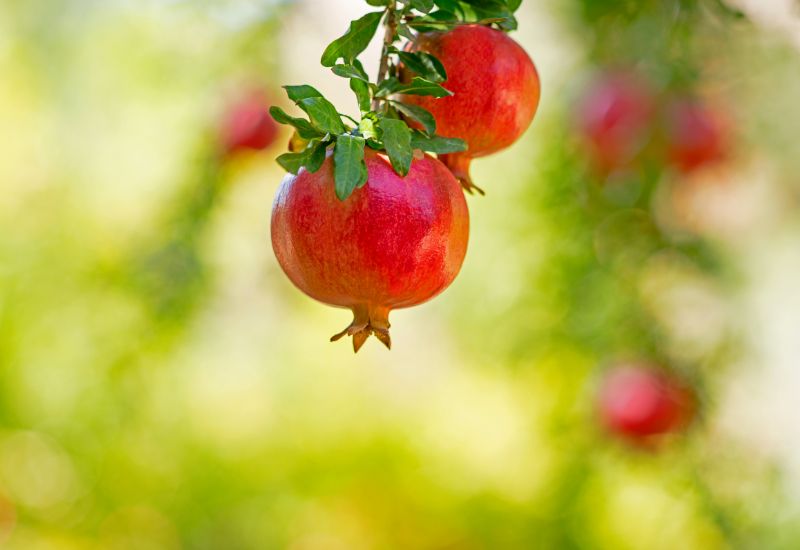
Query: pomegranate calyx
[367, 322]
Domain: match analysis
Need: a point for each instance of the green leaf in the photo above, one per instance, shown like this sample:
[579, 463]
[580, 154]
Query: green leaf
[349, 71]
[354, 41]
[422, 5]
[397, 141]
[357, 64]
[419, 86]
[303, 127]
[292, 162]
[437, 20]
[405, 31]
[367, 128]
[486, 4]
[311, 158]
[494, 9]
[350, 170]
[387, 87]
[513, 5]
[298, 93]
[378, 3]
[361, 89]
[423, 116]
[437, 144]
[424, 64]
[323, 114]
[448, 10]
[509, 24]
[316, 156]
[451, 6]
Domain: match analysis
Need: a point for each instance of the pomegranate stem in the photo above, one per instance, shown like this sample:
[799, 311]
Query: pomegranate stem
[388, 40]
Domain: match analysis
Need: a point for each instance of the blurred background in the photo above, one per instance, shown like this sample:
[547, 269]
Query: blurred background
[164, 386]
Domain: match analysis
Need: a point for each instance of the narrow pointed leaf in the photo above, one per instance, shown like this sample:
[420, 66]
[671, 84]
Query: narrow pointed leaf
[354, 41]
[448, 5]
[361, 89]
[316, 156]
[423, 116]
[311, 158]
[437, 144]
[421, 86]
[350, 171]
[323, 114]
[292, 162]
[349, 71]
[422, 5]
[387, 87]
[405, 31]
[424, 64]
[397, 140]
[298, 93]
[303, 127]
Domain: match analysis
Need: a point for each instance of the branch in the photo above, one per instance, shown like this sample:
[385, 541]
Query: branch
[388, 40]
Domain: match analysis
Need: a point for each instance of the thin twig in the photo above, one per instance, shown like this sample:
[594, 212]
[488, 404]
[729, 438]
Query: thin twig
[388, 40]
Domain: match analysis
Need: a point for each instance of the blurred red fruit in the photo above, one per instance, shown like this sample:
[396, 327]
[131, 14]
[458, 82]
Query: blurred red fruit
[696, 134]
[248, 125]
[639, 402]
[615, 118]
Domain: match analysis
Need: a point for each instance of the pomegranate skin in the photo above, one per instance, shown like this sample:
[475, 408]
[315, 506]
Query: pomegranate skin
[395, 242]
[615, 118]
[248, 125]
[696, 134]
[641, 402]
[495, 89]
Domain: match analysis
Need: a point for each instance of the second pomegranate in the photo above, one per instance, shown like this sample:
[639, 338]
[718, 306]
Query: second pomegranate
[495, 89]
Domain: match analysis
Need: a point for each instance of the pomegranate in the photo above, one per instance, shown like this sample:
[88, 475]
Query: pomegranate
[395, 242]
[495, 92]
[639, 402]
[696, 134]
[615, 119]
[248, 125]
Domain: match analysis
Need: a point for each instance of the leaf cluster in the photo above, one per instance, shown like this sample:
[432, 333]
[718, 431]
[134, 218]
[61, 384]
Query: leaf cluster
[443, 13]
[384, 123]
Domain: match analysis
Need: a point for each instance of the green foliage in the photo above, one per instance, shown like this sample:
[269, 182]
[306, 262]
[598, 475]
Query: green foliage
[304, 128]
[417, 86]
[354, 41]
[414, 112]
[499, 13]
[363, 95]
[436, 144]
[381, 102]
[310, 158]
[396, 138]
[424, 64]
[350, 169]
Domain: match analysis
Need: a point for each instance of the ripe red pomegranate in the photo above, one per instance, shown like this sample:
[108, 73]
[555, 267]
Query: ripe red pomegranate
[248, 125]
[615, 118]
[639, 402]
[696, 134]
[395, 242]
[496, 92]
